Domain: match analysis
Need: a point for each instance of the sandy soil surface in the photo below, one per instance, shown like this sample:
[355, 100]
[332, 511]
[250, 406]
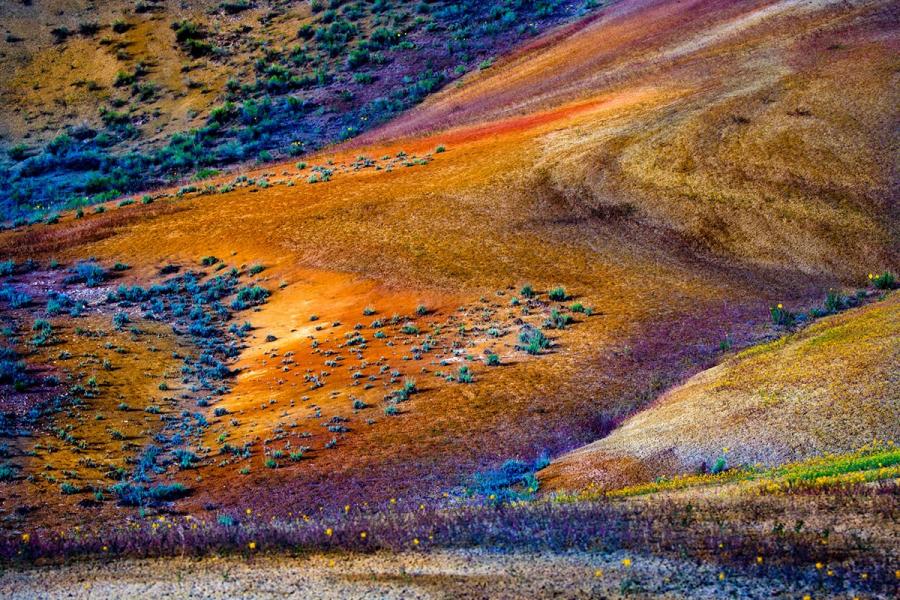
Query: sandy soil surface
[443, 574]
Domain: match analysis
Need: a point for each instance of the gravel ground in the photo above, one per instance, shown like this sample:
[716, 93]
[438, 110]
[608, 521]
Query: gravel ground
[441, 574]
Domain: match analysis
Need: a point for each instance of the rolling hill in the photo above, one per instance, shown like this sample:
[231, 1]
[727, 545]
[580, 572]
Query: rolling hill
[626, 243]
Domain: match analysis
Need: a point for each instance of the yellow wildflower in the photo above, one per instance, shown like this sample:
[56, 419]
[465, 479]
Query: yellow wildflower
[626, 562]
[598, 573]
[26, 537]
[415, 541]
[363, 535]
[328, 532]
[252, 545]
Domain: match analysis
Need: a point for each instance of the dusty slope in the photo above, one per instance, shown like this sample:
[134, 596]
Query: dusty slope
[99, 101]
[652, 180]
[773, 137]
[829, 388]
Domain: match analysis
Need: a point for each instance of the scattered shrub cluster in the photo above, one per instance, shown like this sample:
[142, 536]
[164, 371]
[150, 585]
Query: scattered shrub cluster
[375, 59]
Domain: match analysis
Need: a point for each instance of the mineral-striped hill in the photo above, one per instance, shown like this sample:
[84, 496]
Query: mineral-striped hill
[636, 266]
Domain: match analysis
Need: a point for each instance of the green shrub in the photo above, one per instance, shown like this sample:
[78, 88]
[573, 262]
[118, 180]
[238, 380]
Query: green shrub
[884, 281]
[7, 472]
[835, 302]
[18, 153]
[558, 294]
[68, 489]
[719, 466]
[782, 317]
[533, 340]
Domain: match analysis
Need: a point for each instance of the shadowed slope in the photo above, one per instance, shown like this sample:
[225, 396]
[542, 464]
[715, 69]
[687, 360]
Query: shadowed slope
[829, 388]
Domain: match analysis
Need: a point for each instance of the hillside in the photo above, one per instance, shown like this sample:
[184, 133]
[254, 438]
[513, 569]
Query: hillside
[100, 101]
[644, 232]
[829, 388]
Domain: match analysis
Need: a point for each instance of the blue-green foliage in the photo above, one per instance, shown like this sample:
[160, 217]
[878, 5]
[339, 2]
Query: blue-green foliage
[513, 480]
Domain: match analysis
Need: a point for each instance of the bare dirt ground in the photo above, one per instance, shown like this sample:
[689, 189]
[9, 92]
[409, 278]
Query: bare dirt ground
[445, 574]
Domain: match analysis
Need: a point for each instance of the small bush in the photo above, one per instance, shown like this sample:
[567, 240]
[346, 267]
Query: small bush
[782, 317]
[884, 281]
[558, 320]
[185, 458]
[533, 340]
[68, 489]
[835, 302]
[719, 466]
[120, 320]
[133, 495]
[558, 294]
[89, 273]
[7, 473]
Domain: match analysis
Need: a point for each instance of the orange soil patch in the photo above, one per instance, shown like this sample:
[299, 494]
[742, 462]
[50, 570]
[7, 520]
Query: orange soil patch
[85, 449]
